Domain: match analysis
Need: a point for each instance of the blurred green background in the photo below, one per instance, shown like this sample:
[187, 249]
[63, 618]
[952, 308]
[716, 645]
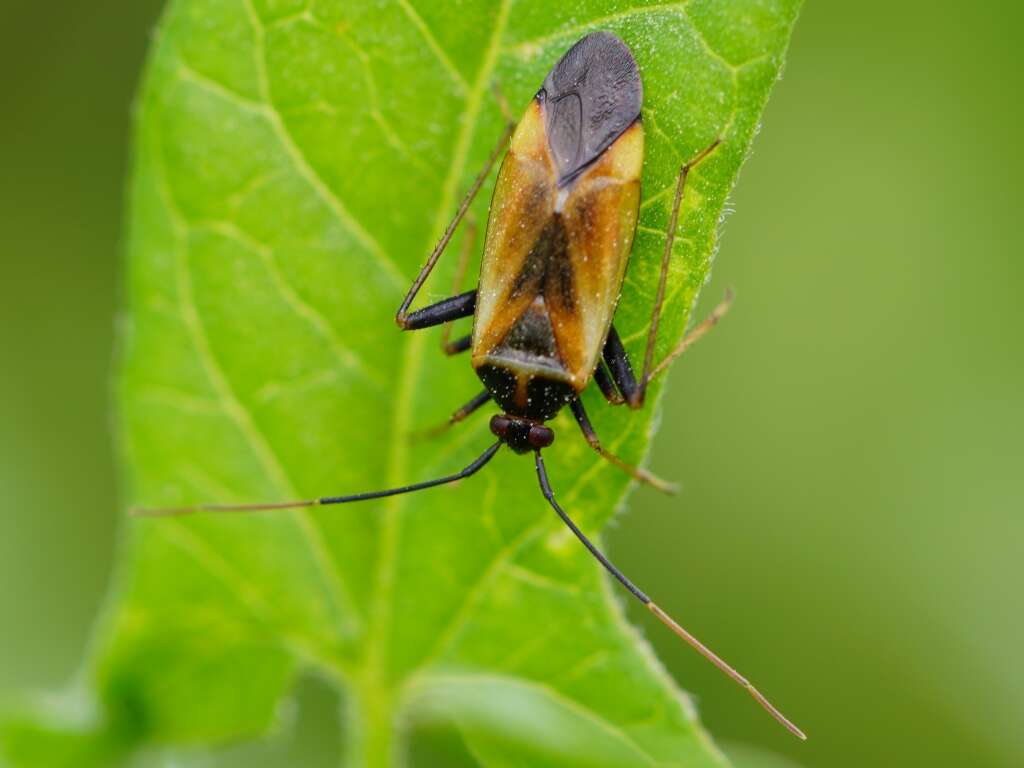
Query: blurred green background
[850, 532]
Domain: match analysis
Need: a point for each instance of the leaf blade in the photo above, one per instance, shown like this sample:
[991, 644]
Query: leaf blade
[294, 164]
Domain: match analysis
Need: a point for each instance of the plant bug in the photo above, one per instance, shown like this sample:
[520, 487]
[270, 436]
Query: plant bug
[559, 235]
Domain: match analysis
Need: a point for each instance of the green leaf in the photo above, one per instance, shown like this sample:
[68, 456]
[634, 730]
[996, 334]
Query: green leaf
[295, 161]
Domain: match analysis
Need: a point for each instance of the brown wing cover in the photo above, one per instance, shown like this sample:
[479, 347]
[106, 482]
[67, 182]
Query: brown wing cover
[554, 257]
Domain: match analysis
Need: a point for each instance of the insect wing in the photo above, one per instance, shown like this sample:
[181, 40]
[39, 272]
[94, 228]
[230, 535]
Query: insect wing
[563, 217]
[600, 217]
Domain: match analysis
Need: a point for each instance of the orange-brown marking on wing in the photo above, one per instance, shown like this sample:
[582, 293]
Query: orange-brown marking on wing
[562, 252]
[599, 216]
[522, 206]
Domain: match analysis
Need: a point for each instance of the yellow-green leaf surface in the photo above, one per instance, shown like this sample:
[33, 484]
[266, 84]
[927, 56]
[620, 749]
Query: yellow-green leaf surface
[295, 161]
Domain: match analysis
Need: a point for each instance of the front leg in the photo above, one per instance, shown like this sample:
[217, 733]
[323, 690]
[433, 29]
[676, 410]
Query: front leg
[445, 311]
[403, 315]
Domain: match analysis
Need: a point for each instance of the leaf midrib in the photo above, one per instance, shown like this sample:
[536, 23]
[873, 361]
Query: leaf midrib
[378, 637]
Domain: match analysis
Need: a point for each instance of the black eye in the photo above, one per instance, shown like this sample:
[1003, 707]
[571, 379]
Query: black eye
[541, 437]
[499, 426]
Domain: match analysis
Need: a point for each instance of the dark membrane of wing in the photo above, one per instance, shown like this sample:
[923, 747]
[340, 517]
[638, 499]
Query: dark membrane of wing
[590, 97]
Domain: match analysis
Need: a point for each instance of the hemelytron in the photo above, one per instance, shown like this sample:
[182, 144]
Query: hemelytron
[558, 239]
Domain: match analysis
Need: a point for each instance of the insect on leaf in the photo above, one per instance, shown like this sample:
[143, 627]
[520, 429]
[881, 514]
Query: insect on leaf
[294, 163]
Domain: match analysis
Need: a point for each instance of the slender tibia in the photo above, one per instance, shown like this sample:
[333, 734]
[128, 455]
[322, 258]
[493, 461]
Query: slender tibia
[403, 310]
[545, 487]
[638, 473]
[622, 376]
[666, 258]
[475, 466]
[468, 243]
[499, 96]
[695, 334]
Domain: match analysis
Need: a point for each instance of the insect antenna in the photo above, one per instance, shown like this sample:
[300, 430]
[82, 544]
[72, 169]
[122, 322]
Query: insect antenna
[665, 619]
[471, 469]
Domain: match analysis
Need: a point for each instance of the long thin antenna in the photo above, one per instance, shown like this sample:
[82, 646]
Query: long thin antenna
[477, 464]
[665, 619]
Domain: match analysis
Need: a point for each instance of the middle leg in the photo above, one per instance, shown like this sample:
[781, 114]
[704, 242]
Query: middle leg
[633, 390]
[621, 377]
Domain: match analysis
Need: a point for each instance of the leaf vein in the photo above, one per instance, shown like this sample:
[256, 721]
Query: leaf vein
[244, 421]
[181, 536]
[377, 113]
[413, 354]
[347, 357]
[475, 593]
[558, 697]
[302, 164]
[527, 47]
[432, 43]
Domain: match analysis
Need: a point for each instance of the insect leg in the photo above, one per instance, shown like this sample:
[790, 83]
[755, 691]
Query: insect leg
[471, 469]
[470, 407]
[499, 96]
[666, 257]
[636, 472]
[621, 370]
[695, 334]
[468, 242]
[664, 618]
[606, 384]
[445, 311]
[401, 317]
[461, 344]
[459, 415]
